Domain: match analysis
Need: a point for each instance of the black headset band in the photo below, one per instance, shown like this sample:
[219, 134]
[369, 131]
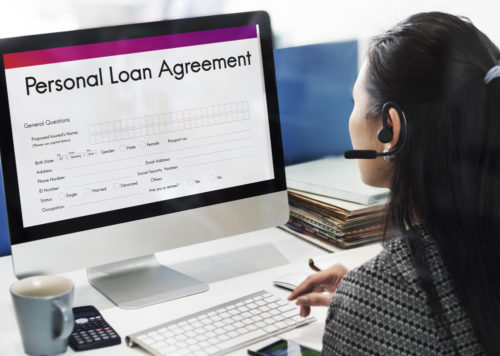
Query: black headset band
[402, 134]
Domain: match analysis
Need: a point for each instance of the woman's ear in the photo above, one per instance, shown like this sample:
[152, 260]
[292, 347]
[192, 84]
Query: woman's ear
[394, 124]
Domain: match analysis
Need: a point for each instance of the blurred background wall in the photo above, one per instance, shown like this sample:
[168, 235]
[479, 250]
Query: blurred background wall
[294, 22]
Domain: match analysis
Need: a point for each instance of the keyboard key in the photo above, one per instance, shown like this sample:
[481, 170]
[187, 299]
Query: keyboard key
[266, 315]
[220, 331]
[281, 325]
[159, 345]
[201, 337]
[212, 349]
[287, 307]
[210, 334]
[270, 328]
[197, 324]
[271, 299]
[238, 340]
[222, 337]
[168, 349]
[181, 345]
[278, 317]
[205, 344]
[291, 313]
[194, 348]
[251, 327]
[260, 324]
[238, 324]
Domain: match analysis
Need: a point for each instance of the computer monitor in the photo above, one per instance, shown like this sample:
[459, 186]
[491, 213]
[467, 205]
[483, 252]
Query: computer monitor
[122, 141]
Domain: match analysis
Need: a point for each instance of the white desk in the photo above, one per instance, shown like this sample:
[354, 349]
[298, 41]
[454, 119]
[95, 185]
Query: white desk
[233, 267]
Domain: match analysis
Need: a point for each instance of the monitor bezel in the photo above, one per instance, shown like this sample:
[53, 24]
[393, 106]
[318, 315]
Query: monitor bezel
[20, 234]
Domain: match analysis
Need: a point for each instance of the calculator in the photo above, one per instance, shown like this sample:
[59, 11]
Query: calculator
[91, 331]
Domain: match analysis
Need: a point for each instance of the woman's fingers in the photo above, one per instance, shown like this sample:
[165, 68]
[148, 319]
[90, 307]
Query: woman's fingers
[304, 311]
[315, 299]
[326, 280]
[307, 286]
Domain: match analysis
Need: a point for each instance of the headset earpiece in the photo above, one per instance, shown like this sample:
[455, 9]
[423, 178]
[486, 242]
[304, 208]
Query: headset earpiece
[384, 135]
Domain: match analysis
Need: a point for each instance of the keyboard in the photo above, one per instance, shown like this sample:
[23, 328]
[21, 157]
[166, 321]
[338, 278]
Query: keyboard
[223, 328]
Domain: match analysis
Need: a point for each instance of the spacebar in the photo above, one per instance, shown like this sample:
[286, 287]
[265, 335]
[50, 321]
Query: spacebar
[241, 339]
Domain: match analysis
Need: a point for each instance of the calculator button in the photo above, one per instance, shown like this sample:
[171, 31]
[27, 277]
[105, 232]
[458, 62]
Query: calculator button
[81, 320]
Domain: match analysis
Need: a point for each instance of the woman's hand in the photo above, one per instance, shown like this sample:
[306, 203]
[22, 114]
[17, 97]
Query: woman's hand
[318, 288]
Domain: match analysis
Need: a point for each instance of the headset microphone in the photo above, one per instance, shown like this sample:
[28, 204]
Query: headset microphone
[384, 135]
[360, 154]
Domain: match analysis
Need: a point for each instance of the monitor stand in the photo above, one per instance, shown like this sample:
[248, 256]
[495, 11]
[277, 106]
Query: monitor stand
[142, 281]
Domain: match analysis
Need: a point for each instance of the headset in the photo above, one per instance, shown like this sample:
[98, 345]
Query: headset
[384, 135]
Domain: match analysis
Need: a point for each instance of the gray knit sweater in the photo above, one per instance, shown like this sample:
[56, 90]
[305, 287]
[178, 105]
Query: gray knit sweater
[380, 309]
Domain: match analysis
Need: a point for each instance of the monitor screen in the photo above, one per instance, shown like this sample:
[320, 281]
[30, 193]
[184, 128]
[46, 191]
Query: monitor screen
[106, 127]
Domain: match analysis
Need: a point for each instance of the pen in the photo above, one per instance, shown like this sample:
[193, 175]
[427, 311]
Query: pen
[313, 266]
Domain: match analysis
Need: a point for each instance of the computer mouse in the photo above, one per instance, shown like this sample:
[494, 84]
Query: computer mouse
[290, 281]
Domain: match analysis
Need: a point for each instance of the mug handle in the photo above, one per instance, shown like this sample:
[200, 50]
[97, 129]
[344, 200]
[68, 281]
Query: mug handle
[66, 317]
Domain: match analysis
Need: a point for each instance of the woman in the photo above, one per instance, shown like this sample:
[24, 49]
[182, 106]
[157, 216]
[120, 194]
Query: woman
[435, 289]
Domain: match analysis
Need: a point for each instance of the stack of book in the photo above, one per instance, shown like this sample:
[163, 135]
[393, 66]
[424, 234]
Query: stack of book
[331, 206]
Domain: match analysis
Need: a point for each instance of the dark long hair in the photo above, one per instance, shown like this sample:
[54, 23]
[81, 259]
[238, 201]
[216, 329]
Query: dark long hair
[447, 177]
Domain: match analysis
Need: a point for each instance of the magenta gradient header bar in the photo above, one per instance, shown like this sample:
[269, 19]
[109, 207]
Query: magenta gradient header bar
[136, 45]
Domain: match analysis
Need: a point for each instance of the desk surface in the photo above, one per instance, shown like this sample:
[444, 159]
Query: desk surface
[233, 267]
